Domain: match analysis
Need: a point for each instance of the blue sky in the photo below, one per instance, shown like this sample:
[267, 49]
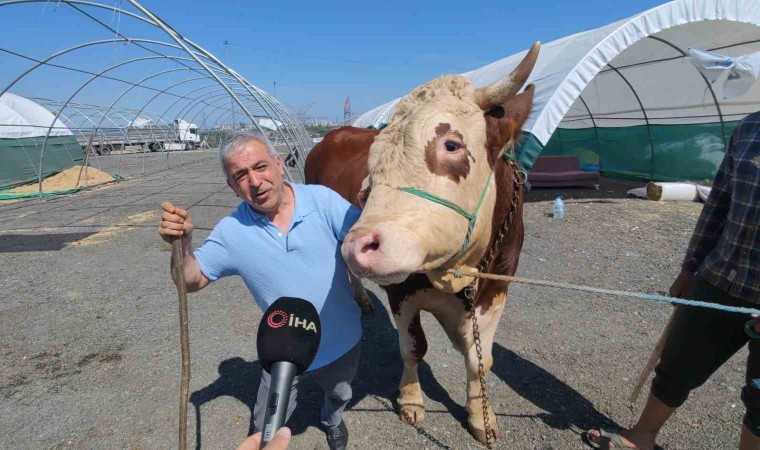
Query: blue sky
[322, 53]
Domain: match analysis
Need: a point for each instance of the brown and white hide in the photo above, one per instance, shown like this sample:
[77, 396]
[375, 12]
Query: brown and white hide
[446, 138]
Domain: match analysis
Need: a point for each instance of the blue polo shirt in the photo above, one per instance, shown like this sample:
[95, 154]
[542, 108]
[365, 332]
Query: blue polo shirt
[305, 263]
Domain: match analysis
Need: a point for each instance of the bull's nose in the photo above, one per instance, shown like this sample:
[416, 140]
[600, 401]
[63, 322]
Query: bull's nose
[363, 253]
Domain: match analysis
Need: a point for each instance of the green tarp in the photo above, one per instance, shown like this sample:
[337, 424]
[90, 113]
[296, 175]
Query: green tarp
[20, 158]
[658, 152]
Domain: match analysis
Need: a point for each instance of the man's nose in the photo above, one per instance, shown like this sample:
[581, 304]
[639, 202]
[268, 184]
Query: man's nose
[254, 179]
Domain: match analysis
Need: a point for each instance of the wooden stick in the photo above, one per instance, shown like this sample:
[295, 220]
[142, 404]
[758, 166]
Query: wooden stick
[178, 274]
[654, 358]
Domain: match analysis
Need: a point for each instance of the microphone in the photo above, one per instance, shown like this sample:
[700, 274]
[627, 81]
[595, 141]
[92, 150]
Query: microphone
[287, 342]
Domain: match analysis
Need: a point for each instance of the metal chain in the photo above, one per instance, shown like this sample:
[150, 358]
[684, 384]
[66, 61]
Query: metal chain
[471, 294]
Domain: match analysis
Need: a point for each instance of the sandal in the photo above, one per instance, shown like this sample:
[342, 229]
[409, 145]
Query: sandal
[606, 438]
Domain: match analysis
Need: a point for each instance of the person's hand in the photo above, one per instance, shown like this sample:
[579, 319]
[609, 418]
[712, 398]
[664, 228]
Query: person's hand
[280, 441]
[175, 222]
[679, 286]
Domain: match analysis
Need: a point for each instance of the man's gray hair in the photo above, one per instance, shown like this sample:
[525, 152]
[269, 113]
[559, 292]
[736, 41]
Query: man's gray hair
[235, 142]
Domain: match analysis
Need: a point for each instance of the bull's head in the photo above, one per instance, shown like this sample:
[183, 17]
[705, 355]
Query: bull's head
[440, 147]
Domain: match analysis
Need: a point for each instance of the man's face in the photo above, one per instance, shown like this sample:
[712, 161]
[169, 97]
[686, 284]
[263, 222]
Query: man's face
[256, 177]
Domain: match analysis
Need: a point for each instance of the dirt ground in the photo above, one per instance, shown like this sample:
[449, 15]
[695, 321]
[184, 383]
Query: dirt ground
[89, 352]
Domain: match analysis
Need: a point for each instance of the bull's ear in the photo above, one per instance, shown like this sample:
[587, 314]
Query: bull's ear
[504, 122]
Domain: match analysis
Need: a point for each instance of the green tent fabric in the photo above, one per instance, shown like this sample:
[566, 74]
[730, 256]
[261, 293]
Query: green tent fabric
[672, 153]
[21, 158]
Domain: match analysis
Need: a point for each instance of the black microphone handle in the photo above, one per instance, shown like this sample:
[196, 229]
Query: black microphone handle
[280, 383]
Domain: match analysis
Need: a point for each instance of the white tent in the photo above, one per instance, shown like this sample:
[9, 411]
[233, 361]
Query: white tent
[269, 123]
[23, 118]
[25, 129]
[626, 84]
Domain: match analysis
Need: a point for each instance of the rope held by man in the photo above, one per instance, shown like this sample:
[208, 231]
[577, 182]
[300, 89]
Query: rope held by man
[459, 273]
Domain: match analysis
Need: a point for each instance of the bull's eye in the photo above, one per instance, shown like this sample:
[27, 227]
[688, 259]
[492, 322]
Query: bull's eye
[451, 146]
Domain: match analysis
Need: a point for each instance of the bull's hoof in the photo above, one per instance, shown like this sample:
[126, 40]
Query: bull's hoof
[411, 414]
[480, 434]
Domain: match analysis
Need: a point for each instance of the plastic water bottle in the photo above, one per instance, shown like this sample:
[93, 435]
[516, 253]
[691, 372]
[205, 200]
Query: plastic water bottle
[559, 208]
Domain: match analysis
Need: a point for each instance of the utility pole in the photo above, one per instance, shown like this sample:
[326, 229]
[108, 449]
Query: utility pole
[347, 111]
[227, 61]
[274, 92]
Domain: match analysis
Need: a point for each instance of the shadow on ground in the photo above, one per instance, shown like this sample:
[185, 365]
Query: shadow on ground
[378, 376]
[10, 243]
[240, 379]
[563, 406]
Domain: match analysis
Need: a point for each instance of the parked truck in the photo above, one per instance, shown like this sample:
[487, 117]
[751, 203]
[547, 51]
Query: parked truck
[180, 135]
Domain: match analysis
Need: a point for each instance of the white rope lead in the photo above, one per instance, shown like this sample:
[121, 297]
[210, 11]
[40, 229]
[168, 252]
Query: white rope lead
[651, 297]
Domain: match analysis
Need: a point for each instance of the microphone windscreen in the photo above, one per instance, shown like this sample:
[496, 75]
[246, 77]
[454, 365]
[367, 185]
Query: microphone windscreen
[289, 331]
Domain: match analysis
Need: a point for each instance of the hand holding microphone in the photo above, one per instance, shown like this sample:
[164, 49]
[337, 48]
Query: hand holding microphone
[287, 342]
[280, 441]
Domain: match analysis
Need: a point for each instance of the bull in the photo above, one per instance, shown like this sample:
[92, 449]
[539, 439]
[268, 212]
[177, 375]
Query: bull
[439, 189]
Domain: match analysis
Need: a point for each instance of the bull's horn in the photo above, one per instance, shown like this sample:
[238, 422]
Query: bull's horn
[489, 96]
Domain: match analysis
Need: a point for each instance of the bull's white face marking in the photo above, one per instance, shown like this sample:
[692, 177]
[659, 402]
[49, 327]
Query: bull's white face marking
[436, 143]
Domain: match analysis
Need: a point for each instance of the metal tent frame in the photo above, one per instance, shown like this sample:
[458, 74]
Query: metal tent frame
[169, 78]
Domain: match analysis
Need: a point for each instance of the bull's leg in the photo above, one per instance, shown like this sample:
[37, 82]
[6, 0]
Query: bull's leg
[487, 326]
[413, 346]
[360, 295]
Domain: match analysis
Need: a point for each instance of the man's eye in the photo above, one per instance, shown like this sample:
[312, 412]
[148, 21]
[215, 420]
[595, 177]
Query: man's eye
[240, 177]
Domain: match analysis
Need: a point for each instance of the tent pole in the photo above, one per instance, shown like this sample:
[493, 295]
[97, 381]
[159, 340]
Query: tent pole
[646, 119]
[596, 132]
[709, 87]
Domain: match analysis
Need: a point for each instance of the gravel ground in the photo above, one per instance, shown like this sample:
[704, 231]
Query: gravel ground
[89, 353]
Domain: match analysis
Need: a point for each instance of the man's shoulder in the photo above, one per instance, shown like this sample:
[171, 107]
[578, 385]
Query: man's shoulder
[754, 117]
[321, 196]
[750, 124]
[314, 189]
[240, 216]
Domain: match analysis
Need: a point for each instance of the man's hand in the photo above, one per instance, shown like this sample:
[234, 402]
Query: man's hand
[679, 286]
[175, 222]
[280, 441]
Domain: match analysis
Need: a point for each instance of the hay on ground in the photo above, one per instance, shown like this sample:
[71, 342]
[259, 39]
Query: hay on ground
[66, 180]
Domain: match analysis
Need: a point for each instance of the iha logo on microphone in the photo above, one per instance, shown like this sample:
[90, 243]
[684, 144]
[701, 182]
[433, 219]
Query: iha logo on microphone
[279, 318]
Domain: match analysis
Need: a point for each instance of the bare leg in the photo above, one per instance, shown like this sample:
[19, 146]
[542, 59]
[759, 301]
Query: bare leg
[644, 433]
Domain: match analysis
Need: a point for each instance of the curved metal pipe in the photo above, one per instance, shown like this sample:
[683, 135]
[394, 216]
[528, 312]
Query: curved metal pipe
[646, 119]
[95, 77]
[707, 82]
[179, 40]
[69, 50]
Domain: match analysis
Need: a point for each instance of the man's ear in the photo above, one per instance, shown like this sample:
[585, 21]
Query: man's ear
[278, 162]
[504, 122]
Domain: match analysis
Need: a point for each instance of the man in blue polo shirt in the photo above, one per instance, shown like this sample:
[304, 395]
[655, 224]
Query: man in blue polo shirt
[283, 240]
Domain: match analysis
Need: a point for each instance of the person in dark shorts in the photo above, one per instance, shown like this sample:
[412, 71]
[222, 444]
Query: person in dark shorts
[722, 265]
